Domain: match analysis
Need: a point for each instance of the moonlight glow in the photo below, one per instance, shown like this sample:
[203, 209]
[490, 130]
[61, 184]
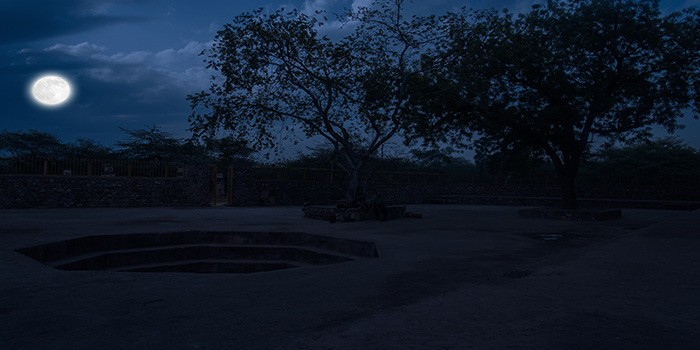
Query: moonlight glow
[51, 90]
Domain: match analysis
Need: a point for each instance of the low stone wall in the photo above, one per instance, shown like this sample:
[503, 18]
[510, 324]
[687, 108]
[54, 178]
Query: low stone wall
[29, 191]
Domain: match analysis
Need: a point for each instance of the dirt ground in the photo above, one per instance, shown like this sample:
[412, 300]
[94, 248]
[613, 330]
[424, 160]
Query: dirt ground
[462, 277]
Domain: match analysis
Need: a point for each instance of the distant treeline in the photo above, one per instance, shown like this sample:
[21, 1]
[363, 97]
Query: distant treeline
[663, 155]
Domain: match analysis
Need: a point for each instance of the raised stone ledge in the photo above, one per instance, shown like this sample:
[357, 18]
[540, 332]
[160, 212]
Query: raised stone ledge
[328, 213]
[556, 201]
[571, 215]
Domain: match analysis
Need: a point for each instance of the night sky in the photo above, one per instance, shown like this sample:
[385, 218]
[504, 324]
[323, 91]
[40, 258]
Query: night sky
[131, 63]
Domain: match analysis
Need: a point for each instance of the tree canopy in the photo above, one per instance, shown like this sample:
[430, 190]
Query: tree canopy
[277, 75]
[544, 83]
[32, 143]
[665, 155]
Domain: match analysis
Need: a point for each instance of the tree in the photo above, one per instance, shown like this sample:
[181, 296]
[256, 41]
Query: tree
[319, 156]
[149, 145]
[32, 143]
[440, 160]
[280, 77]
[551, 79]
[665, 155]
[230, 150]
[87, 149]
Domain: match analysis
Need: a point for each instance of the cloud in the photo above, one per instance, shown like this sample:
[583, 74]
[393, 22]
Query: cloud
[32, 20]
[361, 3]
[311, 6]
[143, 77]
[82, 49]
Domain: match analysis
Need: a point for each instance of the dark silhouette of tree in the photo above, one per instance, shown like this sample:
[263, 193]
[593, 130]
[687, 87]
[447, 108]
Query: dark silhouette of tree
[279, 76]
[665, 155]
[230, 150]
[545, 82]
[150, 144]
[153, 144]
[87, 149]
[32, 143]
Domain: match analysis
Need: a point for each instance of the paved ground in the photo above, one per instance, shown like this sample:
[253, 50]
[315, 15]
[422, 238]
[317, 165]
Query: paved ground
[462, 277]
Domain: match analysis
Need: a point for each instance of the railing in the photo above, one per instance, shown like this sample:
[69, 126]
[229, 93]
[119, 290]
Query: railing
[583, 179]
[326, 175]
[89, 167]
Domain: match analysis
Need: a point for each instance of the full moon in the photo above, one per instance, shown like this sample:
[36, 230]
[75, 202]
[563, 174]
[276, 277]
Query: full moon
[51, 90]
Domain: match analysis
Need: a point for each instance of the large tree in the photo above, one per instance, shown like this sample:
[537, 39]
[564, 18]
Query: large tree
[547, 81]
[276, 74]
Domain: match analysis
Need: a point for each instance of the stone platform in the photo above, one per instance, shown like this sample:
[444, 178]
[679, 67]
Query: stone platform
[328, 213]
[589, 214]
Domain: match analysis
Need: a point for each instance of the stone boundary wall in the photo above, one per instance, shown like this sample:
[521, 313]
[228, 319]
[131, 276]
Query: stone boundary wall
[31, 191]
[246, 192]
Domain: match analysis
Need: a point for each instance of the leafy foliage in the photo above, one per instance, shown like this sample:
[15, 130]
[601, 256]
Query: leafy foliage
[542, 83]
[32, 143]
[667, 155]
[420, 160]
[153, 144]
[87, 149]
[149, 145]
[279, 77]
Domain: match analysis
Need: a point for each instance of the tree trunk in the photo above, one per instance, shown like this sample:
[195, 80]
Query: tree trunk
[567, 181]
[353, 185]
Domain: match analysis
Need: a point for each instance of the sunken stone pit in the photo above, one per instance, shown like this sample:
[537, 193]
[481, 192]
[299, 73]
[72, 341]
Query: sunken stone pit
[199, 252]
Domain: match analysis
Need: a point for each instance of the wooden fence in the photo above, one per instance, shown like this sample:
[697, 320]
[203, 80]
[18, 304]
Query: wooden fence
[89, 167]
[583, 179]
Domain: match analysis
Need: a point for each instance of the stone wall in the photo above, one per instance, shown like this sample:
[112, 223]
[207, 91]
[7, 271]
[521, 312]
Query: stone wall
[25, 191]
[29, 191]
[247, 192]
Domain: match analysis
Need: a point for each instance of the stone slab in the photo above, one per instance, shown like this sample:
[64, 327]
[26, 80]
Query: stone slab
[571, 215]
[328, 213]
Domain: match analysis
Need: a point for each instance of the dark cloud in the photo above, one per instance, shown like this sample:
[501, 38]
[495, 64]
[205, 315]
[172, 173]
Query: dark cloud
[32, 20]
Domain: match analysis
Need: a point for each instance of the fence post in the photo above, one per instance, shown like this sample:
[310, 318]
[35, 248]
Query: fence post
[212, 184]
[128, 171]
[46, 164]
[230, 185]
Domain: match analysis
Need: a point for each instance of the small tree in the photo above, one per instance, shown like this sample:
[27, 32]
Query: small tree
[150, 144]
[230, 150]
[280, 77]
[32, 143]
[87, 148]
[546, 81]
